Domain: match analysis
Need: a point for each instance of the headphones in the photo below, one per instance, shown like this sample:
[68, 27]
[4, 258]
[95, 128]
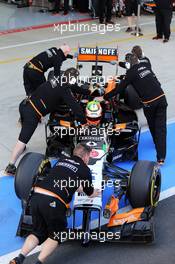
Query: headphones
[131, 60]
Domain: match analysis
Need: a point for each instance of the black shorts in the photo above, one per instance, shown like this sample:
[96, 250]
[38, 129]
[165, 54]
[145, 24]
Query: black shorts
[29, 121]
[49, 217]
[131, 7]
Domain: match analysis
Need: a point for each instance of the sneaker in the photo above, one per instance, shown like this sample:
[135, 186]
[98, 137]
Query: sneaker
[165, 40]
[15, 261]
[156, 37]
[10, 169]
[161, 162]
[129, 29]
[18, 260]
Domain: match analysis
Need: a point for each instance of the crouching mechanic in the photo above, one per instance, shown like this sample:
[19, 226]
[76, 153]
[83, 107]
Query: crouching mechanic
[141, 77]
[33, 74]
[43, 101]
[52, 193]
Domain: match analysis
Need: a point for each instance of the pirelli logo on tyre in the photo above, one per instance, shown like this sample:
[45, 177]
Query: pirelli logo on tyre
[97, 54]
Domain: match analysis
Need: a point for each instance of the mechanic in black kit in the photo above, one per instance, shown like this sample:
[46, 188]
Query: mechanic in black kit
[105, 12]
[163, 12]
[43, 101]
[34, 70]
[141, 77]
[52, 194]
[131, 9]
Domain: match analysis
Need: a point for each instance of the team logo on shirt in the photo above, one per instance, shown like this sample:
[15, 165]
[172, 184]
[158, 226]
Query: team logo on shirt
[53, 204]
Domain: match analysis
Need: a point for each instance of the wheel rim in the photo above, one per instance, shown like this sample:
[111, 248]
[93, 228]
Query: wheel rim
[155, 189]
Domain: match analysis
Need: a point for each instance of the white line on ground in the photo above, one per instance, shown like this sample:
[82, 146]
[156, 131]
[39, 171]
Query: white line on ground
[167, 193]
[6, 258]
[61, 38]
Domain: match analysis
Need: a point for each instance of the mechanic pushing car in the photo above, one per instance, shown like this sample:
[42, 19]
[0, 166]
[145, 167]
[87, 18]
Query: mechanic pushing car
[34, 70]
[52, 194]
[141, 77]
[43, 101]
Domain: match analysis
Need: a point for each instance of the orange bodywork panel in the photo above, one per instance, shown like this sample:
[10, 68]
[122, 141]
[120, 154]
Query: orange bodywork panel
[120, 126]
[112, 205]
[111, 86]
[129, 217]
[93, 58]
[65, 123]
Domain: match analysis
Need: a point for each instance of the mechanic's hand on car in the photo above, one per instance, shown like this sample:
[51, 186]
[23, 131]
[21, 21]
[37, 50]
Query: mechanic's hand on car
[69, 56]
[96, 193]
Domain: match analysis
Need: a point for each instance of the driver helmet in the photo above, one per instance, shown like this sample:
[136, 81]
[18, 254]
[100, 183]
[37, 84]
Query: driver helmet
[93, 113]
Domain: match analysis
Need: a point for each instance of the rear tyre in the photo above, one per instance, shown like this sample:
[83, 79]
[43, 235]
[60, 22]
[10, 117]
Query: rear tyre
[145, 184]
[26, 171]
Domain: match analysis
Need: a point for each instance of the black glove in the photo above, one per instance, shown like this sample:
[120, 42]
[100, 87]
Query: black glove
[121, 77]
[69, 56]
[122, 64]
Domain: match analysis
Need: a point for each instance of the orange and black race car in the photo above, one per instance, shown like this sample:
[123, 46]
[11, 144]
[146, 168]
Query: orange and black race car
[124, 210]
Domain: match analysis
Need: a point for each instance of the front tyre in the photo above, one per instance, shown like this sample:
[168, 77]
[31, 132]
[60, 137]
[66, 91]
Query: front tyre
[144, 184]
[26, 171]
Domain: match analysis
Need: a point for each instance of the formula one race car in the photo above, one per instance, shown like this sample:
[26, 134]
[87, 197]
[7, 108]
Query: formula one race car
[124, 210]
[112, 132]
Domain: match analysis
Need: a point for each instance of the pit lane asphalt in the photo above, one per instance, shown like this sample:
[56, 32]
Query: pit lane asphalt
[160, 252]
